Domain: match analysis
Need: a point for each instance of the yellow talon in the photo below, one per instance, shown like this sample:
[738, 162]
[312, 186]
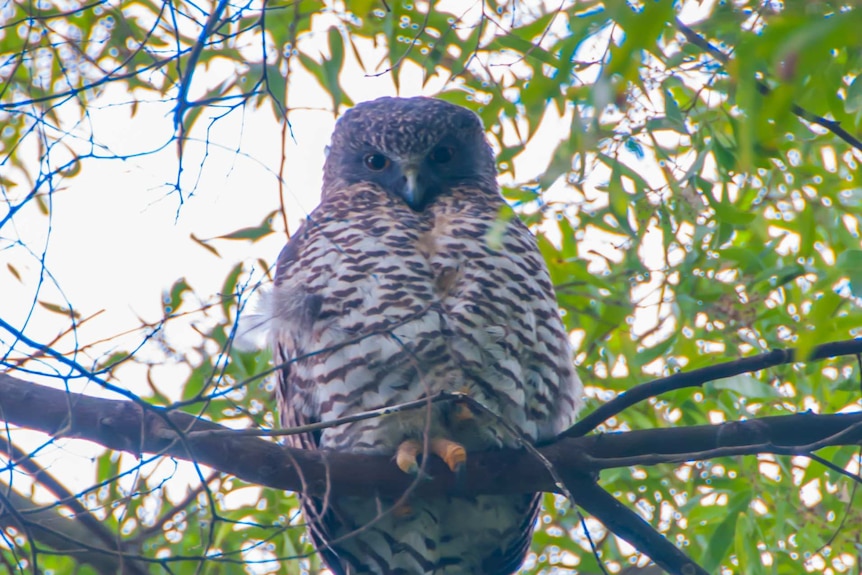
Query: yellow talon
[405, 457]
[453, 454]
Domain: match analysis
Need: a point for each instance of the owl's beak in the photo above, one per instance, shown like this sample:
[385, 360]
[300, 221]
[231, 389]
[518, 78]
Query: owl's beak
[413, 192]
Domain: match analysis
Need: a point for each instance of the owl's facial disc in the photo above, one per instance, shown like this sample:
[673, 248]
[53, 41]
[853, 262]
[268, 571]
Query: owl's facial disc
[417, 150]
[416, 179]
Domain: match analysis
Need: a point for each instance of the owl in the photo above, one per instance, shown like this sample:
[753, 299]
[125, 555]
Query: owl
[412, 277]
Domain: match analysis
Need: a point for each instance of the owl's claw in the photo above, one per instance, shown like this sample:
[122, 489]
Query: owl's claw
[403, 511]
[405, 457]
[453, 454]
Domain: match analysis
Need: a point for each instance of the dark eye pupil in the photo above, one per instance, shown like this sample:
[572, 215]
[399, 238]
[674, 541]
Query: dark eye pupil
[376, 162]
[442, 155]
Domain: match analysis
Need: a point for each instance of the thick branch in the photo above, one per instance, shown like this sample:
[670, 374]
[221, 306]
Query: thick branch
[133, 427]
[125, 426]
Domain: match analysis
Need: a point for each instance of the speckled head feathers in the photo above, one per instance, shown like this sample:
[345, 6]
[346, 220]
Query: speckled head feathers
[404, 125]
[407, 128]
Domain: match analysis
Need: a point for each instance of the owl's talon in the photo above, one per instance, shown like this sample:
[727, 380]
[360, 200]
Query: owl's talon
[405, 457]
[453, 454]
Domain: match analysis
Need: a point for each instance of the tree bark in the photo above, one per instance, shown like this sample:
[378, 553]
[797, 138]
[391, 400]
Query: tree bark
[139, 428]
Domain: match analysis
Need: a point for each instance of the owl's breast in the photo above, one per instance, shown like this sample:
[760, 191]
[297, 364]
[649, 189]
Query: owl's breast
[389, 310]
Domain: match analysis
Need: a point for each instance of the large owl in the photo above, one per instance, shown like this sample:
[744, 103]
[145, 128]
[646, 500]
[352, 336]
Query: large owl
[410, 278]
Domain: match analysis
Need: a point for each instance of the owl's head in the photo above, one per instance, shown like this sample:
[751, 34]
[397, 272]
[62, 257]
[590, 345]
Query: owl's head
[416, 149]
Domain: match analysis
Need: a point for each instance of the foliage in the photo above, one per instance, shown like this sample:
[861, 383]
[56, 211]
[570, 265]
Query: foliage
[699, 203]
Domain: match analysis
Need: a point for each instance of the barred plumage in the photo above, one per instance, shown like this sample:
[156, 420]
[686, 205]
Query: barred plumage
[411, 278]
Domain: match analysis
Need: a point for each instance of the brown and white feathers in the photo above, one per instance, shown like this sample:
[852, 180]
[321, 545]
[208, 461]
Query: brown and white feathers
[394, 290]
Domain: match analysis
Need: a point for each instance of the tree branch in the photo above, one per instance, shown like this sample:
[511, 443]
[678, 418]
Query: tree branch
[125, 426]
[135, 428]
[703, 375]
[109, 555]
[628, 525]
[63, 534]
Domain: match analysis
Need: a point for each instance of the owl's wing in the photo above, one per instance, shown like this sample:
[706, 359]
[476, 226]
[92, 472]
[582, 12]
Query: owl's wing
[284, 345]
[321, 518]
[285, 353]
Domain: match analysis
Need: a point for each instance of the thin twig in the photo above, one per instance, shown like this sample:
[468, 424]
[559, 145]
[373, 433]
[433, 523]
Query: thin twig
[799, 111]
[81, 514]
[840, 470]
[847, 509]
[703, 375]
[441, 397]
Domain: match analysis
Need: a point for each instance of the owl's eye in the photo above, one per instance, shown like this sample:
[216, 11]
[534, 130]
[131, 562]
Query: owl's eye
[376, 162]
[442, 154]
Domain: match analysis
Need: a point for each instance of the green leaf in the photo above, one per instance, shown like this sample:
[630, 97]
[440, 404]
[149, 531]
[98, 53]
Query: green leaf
[173, 299]
[819, 327]
[515, 42]
[60, 309]
[254, 233]
[205, 244]
[854, 96]
[228, 289]
[725, 211]
[850, 263]
[673, 113]
[745, 385]
[745, 545]
[722, 537]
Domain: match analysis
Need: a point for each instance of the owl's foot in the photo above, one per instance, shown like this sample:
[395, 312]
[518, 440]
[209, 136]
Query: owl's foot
[453, 454]
[403, 511]
[405, 457]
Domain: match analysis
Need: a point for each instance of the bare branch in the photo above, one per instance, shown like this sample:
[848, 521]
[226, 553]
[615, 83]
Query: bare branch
[65, 535]
[124, 426]
[703, 375]
[567, 464]
[628, 525]
[47, 519]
